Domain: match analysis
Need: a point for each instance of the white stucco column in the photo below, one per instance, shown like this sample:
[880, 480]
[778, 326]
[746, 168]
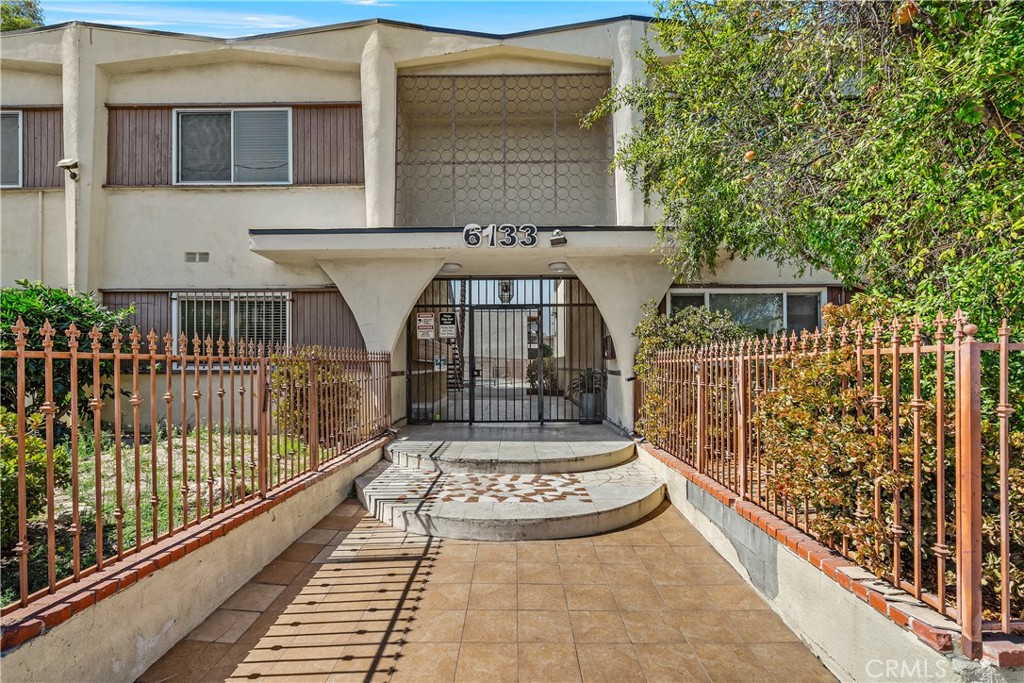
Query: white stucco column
[378, 83]
[84, 88]
[381, 293]
[626, 68]
[620, 286]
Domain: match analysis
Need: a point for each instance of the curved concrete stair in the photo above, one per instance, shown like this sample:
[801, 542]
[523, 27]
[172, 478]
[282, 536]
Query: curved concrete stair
[508, 457]
[508, 507]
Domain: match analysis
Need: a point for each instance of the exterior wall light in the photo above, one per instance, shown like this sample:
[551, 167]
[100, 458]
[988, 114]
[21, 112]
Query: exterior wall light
[451, 267]
[559, 267]
[558, 239]
[69, 165]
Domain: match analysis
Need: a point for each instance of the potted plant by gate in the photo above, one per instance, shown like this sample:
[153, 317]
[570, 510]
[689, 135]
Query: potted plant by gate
[584, 389]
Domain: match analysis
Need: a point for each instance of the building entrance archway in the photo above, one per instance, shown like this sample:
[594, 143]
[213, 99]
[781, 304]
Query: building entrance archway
[505, 350]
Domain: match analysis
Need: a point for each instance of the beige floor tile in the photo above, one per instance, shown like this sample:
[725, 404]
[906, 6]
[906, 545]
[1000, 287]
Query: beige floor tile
[539, 572]
[576, 553]
[598, 626]
[706, 626]
[735, 597]
[318, 536]
[671, 663]
[490, 626]
[536, 551]
[589, 597]
[452, 572]
[548, 663]
[683, 598]
[493, 596]
[731, 663]
[434, 626]
[760, 626]
[427, 663]
[791, 662]
[253, 596]
[545, 626]
[301, 552]
[611, 538]
[461, 552]
[652, 627]
[589, 572]
[445, 596]
[224, 626]
[495, 572]
[480, 662]
[642, 595]
[609, 663]
[617, 573]
[496, 552]
[544, 596]
[616, 554]
[279, 571]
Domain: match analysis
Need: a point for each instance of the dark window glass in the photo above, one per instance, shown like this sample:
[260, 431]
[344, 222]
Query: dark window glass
[10, 150]
[683, 300]
[802, 311]
[204, 147]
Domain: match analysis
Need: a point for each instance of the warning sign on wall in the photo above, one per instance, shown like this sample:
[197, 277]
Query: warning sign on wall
[424, 325]
[446, 325]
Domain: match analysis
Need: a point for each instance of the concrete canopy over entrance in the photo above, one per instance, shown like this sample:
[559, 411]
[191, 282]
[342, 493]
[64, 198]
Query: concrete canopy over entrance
[382, 271]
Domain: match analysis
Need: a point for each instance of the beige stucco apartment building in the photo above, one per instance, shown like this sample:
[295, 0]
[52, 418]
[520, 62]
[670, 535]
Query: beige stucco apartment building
[309, 186]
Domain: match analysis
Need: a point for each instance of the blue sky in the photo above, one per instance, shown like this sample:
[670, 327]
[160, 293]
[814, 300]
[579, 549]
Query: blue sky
[247, 17]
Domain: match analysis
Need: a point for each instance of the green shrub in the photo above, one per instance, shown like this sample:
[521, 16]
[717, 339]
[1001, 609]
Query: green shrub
[35, 303]
[289, 379]
[550, 376]
[689, 326]
[35, 472]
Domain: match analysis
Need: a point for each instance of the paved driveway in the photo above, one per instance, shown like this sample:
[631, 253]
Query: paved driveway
[355, 600]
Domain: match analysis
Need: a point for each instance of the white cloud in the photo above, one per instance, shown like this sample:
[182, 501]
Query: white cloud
[182, 17]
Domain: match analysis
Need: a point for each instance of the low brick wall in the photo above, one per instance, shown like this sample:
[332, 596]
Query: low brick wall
[117, 623]
[862, 628]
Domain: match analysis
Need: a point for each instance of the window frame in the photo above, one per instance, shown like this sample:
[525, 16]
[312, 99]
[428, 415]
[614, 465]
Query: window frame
[820, 290]
[21, 148]
[232, 296]
[175, 171]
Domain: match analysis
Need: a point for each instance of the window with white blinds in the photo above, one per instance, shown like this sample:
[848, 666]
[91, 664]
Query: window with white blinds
[10, 149]
[242, 146]
[223, 315]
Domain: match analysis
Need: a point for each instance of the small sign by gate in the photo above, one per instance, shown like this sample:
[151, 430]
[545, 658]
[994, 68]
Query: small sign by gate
[446, 325]
[440, 364]
[425, 325]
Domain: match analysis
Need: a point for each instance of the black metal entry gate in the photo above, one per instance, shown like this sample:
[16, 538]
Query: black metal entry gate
[505, 350]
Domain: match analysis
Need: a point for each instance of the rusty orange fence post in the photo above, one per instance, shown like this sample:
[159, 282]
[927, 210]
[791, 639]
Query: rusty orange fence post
[262, 428]
[742, 416]
[968, 491]
[702, 414]
[314, 416]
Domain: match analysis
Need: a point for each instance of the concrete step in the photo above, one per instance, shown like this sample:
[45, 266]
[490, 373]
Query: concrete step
[509, 507]
[508, 456]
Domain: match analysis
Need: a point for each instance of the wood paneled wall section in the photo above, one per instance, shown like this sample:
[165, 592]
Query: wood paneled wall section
[322, 317]
[328, 144]
[139, 146]
[838, 295]
[152, 310]
[43, 140]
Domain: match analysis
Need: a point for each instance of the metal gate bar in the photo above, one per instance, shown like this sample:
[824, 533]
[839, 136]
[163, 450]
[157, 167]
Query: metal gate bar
[522, 350]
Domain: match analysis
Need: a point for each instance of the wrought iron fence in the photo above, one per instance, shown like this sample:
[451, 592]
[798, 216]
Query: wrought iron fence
[936, 410]
[117, 444]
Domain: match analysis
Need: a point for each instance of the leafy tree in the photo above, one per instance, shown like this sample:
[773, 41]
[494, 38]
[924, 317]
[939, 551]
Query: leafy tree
[36, 303]
[883, 141]
[20, 14]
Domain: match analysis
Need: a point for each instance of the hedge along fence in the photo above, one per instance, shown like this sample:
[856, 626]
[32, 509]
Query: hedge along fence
[195, 429]
[898, 446]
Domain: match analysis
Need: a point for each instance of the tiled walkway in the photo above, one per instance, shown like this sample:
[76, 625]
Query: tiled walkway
[354, 600]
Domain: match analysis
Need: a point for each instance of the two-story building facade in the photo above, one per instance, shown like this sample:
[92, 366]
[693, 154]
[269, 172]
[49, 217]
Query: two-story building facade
[315, 187]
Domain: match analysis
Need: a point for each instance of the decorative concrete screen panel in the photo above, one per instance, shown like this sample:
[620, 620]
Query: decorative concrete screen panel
[494, 149]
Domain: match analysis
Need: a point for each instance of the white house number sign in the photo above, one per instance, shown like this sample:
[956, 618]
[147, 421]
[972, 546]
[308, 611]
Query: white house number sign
[504, 235]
